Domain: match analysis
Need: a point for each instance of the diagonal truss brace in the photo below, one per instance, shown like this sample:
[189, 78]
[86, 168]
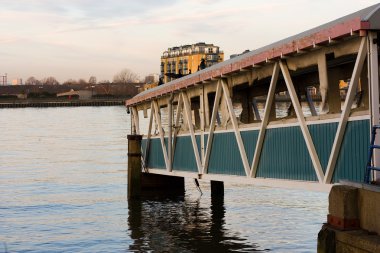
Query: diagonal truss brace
[162, 135]
[301, 119]
[235, 125]
[187, 110]
[264, 123]
[362, 53]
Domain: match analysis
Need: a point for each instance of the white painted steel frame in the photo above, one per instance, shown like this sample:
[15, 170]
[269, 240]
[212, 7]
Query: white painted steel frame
[301, 119]
[222, 87]
[362, 53]
[177, 126]
[373, 69]
[149, 134]
[210, 137]
[161, 132]
[187, 109]
[235, 125]
[264, 122]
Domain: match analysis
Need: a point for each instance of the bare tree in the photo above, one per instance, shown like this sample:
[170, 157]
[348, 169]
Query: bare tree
[125, 76]
[92, 80]
[70, 82]
[49, 81]
[82, 81]
[32, 81]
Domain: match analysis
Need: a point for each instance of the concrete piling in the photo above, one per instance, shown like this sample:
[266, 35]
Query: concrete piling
[134, 166]
[217, 189]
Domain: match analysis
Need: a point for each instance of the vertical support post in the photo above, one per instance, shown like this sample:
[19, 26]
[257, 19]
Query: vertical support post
[134, 166]
[362, 53]
[202, 116]
[149, 135]
[217, 189]
[373, 74]
[135, 115]
[323, 80]
[170, 127]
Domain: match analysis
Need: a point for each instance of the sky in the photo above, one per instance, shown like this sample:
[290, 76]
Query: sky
[73, 39]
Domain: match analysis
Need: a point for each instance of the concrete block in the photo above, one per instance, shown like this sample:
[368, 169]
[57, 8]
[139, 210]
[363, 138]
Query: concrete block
[343, 207]
[357, 241]
[369, 210]
[326, 240]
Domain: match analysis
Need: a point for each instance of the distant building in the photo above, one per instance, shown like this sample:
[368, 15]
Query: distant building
[17, 81]
[152, 78]
[184, 60]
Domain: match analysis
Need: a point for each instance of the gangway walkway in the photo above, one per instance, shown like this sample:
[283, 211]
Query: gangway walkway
[288, 143]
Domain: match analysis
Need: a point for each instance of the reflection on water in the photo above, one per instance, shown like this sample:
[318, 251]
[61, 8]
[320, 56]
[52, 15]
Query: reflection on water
[63, 185]
[181, 225]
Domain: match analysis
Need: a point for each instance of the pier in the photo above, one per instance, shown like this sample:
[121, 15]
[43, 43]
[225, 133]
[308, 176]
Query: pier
[223, 123]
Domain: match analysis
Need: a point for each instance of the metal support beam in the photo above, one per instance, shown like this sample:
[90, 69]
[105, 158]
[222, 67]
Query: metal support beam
[301, 119]
[362, 53]
[212, 126]
[264, 122]
[323, 80]
[162, 135]
[373, 74]
[136, 124]
[235, 125]
[177, 126]
[191, 130]
[149, 134]
[202, 116]
[170, 127]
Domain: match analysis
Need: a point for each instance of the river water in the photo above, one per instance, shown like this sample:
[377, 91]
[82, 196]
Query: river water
[63, 188]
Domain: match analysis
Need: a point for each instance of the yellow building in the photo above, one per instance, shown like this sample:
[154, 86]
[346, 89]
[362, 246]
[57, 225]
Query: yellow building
[184, 60]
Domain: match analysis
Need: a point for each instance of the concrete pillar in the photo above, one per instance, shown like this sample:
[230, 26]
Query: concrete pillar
[217, 189]
[343, 207]
[333, 94]
[134, 166]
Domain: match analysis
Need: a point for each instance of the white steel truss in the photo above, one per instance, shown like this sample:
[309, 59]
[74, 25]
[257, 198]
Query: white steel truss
[202, 157]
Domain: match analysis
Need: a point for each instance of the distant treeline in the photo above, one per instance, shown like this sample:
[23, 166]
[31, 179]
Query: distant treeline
[107, 90]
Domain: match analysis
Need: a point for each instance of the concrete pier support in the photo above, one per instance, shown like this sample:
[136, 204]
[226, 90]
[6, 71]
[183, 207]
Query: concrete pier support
[217, 189]
[145, 184]
[134, 166]
[353, 223]
[155, 185]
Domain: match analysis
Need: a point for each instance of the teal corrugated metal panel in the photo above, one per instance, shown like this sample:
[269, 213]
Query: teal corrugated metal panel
[323, 138]
[285, 155]
[353, 154]
[225, 156]
[143, 146]
[156, 157]
[184, 158]
[250, 141]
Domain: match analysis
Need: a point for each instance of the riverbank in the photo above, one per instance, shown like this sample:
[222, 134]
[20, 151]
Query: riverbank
[18, 103]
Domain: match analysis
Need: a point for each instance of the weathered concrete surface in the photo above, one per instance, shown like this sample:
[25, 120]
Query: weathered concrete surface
[343, 207]
[369, 209]
[357, 241]
[134, 166]
[358, 202]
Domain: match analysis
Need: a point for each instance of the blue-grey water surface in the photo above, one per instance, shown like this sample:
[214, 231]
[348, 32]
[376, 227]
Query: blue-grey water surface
[63, 188]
